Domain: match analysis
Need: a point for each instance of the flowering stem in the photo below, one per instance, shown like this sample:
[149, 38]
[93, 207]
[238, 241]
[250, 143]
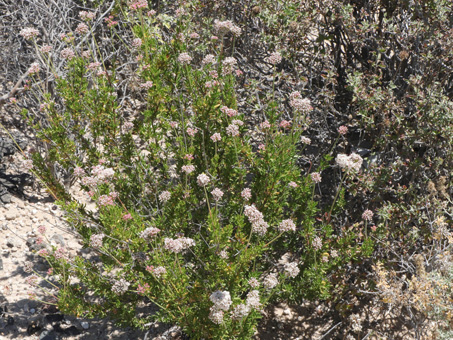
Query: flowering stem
[336, 195]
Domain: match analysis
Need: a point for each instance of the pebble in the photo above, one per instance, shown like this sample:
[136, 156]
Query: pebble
[32, 310]
[11, 215]
[85, 325]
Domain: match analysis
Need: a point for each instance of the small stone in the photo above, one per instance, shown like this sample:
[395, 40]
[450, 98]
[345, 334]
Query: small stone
[11, 214]
[32, 310]
[85, 325]
[10, 242]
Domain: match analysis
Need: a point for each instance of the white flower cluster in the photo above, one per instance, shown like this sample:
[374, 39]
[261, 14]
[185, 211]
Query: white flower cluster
[208, 59]
[120, 287]
[29, 33]
[286, 225]
[221, 300]
[164, 196]
[149, 233]
[255, 217]
[351, 163]
[240, 311]
[217, 194]
[275, 58]
[270, 281]
[179, 244]
[298, 103]
[203, 180]
[67, 53]
[188, 169]
[228, 65]
[232, 130]
[223, 27]
[184, 58]
[291, 269]
[253, 299]
[96, 240]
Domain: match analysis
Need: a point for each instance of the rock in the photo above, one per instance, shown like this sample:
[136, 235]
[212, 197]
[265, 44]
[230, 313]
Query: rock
[11, 242]
[47, 335]
[54, 317]
[32, 310]
[11, 214]
[58, 239]
[85, 325]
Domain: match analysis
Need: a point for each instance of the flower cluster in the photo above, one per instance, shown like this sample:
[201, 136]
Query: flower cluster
[96, 240]
[217, 194]
[87, 16]
[82, 28]
[216, 137]
[164, 196]
[136, 43]
[351, 163]
[316, 177]
[246, 194]
[224, 27]
[367, 215]
[229, 64]
[286, 225]
[29, 33]
[138, 4]
[208, 59]
[184, 58]
[179, 244]
[255, 217]
[270, 281]
[275, 58]
[232, 130]
[99, 175]
[229, 112]
[203, 180]
[298, 103]
[67, 54]
[149, 233]
[120, 287]
[34, 68]
[291, 269]
[188, 169]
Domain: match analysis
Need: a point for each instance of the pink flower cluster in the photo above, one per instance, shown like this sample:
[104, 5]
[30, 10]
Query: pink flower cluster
[188, 169]
[87, 16]
[110, 22]
[46, 48]
[99, 175]
[246, 194]
[147, 85]
[105, 200]
[367, 215]
[232, 130]
[164, 196]
[96, 240]
[229, 112]
[316, 177]
[34, 68]
[138, 4]
[82, 28]
[216, 137]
